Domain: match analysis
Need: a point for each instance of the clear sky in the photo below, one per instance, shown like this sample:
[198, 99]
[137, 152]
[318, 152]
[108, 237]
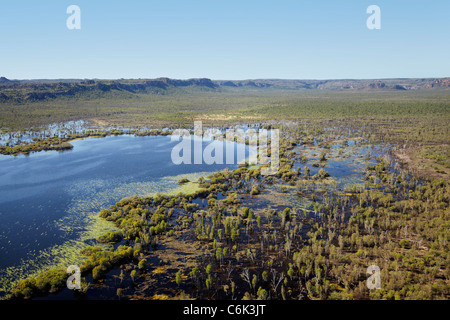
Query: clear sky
[224, 39]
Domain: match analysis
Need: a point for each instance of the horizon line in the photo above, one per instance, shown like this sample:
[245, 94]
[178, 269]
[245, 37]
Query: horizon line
[246, 79]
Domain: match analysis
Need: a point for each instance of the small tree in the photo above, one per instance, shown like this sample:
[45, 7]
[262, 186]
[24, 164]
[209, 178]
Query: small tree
[183, 180]
[290, 272]
[133, 275]
[97, 273]
[208, 282]
[246, 276]
[121, 276]
[255, 190]
[307, 171]
[323, 174]
[194, 273]
[142, 264]
[178, 278]
[119, 292]
[219, 255]
[254, 281]
[276, 280]
[262, 294]
[265, 276]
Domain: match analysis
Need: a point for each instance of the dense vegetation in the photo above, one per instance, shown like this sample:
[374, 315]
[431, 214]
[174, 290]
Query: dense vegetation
[394, 221]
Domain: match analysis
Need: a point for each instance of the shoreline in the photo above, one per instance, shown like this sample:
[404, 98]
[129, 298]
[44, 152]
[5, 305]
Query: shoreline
[91, 232]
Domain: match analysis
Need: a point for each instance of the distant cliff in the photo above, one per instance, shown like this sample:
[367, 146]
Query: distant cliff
[344, 85]
[20, 91]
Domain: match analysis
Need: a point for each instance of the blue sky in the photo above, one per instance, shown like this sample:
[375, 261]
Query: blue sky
[232, 39]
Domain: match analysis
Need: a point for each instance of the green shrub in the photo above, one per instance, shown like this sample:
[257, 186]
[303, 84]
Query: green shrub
[26, 289]
[51, 280]
[113, 236]
[255, 190]
[142, 264]
[183, 181]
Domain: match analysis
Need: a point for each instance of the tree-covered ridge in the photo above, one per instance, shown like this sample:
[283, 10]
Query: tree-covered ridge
[32, 91]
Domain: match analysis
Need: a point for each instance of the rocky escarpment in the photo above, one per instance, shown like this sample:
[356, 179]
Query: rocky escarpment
[23, 91]
[20, 91]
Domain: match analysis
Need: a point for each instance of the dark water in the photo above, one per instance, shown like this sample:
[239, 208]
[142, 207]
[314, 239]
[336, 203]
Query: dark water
[47, 198]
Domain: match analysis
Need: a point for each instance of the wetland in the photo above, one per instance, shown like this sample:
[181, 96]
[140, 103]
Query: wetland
[362, 180]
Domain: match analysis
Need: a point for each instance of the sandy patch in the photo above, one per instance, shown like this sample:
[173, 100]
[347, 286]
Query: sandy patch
[423, 167]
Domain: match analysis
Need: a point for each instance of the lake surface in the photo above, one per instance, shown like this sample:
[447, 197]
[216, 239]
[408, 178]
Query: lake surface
[49, 201]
